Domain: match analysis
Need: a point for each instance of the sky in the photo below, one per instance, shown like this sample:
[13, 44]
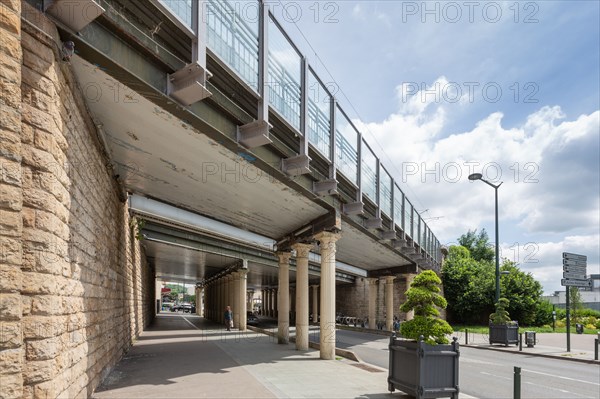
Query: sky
[444, 89]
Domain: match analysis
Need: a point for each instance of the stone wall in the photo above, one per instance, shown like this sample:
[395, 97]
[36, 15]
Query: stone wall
[75, 287]
[353, 299]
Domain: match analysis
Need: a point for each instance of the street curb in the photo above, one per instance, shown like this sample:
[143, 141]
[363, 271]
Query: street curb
[573, 359]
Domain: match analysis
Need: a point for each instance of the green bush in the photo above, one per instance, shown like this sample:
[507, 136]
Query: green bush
[501, 316]
[423, 297]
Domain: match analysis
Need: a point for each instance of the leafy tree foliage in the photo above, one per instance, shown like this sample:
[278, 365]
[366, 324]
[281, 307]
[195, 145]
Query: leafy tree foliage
[478, 245]
[468, 287]
[500, 316]
[575, 304]
[423, 297]
[523, 291]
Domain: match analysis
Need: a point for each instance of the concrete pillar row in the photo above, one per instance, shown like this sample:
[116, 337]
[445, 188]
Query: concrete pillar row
[276, 302]
[283, 298]
[409, 279]
[302, 251]
[327, 324]
[242, 289]
[315, 304]
[389, 303]
[372, 303]
[250, 300]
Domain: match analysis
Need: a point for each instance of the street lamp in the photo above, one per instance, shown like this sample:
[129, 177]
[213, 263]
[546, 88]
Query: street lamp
[479, 176]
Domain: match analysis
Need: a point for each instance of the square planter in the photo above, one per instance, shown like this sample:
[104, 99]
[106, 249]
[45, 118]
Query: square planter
[504, 334]
[423, 370]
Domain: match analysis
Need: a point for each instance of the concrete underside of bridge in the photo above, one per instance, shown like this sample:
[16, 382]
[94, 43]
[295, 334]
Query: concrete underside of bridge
[79, 261]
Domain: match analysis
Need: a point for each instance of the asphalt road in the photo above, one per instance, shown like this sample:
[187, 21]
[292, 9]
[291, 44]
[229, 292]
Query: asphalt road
[489, 374]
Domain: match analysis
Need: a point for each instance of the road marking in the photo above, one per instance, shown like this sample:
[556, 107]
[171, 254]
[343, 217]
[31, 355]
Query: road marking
[496, 376]
[189, 322]
[559, 390]
[564, 378]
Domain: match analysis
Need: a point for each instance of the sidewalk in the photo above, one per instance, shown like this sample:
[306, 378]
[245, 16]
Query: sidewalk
[547, 345]
[185, 356]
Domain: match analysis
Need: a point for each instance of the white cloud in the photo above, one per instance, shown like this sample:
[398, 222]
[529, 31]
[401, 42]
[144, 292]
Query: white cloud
[548, 166]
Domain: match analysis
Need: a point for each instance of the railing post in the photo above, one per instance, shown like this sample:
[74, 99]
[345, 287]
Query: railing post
[596, 349]
[517, 384]
[520, 342]
[466, 336]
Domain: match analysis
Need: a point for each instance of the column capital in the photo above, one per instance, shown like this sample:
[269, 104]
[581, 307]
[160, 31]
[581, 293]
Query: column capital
[327, 237]
[284, 257]
[389, 279]
[302, 250]
[372, 280]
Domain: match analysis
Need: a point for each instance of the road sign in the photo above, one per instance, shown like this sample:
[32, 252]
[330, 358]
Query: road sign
[574, 262]
[567, 255]
[574, 267]
[574, 276]
[576, 283]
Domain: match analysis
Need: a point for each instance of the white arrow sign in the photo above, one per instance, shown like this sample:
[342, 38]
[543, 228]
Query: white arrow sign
[568, 255]
[574, 262]
[574, 276]
[575, 283]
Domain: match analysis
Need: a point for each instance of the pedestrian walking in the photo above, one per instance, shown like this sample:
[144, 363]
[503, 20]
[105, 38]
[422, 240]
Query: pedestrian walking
[228, 318]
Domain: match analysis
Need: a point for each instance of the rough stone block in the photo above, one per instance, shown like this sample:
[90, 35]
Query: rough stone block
[10, 87]
[10, 20]
[10, 198]
[38, 283]
[10, 171]
[14, 5]
[43, 349]
[10, 278]
[35, 372]
[11, 223]
[10, 253]
[11, 336]
[12, 386]
[10, 119]
[40, 327]
[10, 45]
[11, 361]
[39, 119]
[46, 305]
[10, 306]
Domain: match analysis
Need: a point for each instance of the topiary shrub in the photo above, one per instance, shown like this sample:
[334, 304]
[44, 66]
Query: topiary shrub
[423, 297]
[500, 317]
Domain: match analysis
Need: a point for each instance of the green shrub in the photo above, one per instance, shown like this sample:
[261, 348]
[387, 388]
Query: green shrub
[423, 297]
[501, 316]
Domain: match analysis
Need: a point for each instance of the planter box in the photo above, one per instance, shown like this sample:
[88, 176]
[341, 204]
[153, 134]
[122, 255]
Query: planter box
[423, 370]
[504, 334]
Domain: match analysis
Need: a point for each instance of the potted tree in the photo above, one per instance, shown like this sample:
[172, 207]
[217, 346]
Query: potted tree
[503, 330]
[424, 364]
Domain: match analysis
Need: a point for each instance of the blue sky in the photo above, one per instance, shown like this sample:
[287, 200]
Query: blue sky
[448, 89]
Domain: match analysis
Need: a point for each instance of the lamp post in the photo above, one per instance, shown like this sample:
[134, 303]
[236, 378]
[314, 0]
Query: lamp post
[479, 176]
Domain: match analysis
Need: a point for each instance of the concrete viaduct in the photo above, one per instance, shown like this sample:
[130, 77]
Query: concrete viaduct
[181, 141]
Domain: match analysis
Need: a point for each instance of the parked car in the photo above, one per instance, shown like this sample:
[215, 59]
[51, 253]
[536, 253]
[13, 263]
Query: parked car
[251, 319]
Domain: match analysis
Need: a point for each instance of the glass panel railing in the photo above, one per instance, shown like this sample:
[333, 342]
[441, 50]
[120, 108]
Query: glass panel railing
[408, 219]
[284, 76]
[368, 173]
[181, 8]
[234, 38]
[398, 207]
[385, 192]
[319, 115]
[346, 143]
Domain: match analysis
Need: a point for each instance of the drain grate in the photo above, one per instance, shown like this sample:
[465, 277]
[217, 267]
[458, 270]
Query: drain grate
[366, 367]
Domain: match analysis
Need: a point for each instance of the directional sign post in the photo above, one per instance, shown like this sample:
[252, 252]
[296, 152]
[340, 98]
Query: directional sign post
[574, 272]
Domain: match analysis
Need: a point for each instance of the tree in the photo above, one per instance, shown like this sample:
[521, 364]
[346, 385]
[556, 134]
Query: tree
[523, 292]
[575, 303]
[478, 245]
[501, 315]
[423, 297]
[468, 287]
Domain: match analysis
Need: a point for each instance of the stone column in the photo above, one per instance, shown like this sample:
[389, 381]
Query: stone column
[12, 347]
[243, 286]
[409, 280]
[268, 302]
[263, 302]
[237, 298]
[327, 335]
[372, 303]
[275, 302]
[222, 286]
[302, 251]
[315, 304]
[250, 301]
[389, 302]
[283, 298]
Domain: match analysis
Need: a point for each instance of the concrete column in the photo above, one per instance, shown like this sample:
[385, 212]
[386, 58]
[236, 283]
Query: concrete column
[230, 291]
[327, 335]
[372, 303]
[283, 298]
[409, 280]
[315, 304]
[269, 302]
[237, 299]
[276, 302]
[302, 251]
[243, 282]
[250, 301]
[219, 300]
[389, 302]
[263, 302]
